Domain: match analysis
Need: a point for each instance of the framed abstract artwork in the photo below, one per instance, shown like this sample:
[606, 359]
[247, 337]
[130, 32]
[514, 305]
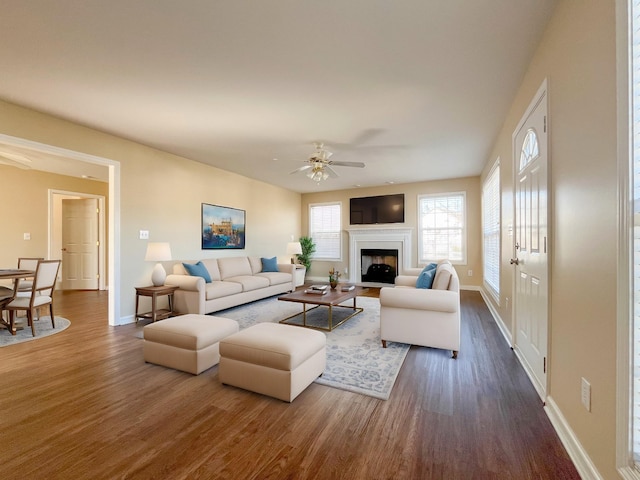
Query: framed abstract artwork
[222, 227]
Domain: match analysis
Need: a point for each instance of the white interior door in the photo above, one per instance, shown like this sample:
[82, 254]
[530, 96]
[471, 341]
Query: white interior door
[531, 289]
[80, 244]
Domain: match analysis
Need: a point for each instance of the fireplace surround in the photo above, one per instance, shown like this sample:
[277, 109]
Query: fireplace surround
[383, 238]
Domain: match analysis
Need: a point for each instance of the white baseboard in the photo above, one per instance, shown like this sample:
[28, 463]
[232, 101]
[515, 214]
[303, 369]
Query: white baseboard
[577, 453]
[496, 316]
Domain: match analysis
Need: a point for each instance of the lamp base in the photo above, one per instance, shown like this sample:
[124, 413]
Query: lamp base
[158, 276]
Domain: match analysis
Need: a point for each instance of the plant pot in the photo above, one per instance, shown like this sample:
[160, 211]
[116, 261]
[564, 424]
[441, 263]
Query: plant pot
[334, 284]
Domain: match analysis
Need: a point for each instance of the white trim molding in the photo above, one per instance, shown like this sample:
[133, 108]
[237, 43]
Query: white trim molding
[378, 237]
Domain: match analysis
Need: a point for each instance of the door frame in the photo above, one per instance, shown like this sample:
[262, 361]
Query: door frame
[113, 219]
[515, 157]
[53, 193]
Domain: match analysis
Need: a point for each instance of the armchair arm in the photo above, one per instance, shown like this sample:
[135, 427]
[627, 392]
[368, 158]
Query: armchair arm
[186, 282]
[191, 296]
[406, 280]
[420, 299]
[287, 268]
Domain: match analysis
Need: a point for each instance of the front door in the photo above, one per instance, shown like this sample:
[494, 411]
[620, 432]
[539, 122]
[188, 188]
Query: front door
[80, 244]
[531, 246]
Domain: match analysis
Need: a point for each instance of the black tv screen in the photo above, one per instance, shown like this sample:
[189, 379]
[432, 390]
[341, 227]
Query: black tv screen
[380, 209]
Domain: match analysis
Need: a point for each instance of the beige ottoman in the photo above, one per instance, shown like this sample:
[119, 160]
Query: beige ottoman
[273, 359]
[188, 342]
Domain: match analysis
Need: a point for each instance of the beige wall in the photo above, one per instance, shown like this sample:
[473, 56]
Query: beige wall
[24, 195]
[163, 193]
[470, 185]
[578, 57]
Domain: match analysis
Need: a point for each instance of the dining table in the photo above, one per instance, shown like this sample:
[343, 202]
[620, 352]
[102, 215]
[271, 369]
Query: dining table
[14, 274]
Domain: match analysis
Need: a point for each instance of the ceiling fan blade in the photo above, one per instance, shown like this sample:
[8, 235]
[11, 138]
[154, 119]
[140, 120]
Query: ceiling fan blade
[301, 169]
[348, 164]
[332, 173]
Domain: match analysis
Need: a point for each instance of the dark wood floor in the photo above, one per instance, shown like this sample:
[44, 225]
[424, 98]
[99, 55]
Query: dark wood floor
[82, 404]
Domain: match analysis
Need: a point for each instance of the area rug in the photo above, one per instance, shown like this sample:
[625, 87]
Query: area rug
[356, 360]
[43, 329]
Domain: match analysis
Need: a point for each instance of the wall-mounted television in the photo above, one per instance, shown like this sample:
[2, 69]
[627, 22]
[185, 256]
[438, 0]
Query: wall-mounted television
[380, 209]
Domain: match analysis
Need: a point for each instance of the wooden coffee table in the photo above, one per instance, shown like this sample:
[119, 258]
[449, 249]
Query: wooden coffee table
[332, 299]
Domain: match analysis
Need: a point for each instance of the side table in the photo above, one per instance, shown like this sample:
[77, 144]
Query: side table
[154, 293]
[300, 272]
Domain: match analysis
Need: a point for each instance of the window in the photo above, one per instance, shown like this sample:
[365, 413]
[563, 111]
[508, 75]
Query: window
[530, 149]
[491, 231]
[442, 227]
[325, 224]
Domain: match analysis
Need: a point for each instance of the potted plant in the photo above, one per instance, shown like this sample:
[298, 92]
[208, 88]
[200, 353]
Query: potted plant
[308, 249]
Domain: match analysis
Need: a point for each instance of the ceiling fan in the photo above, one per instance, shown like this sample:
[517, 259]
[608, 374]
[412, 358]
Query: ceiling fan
[319, 165]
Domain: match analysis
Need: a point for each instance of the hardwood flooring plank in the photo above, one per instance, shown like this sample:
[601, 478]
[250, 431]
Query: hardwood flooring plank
[83, 404]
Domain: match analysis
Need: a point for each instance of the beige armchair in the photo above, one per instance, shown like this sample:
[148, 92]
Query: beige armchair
[427, 317]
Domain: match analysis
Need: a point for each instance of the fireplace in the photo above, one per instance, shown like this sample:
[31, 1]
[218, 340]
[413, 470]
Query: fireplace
[378, 239]
[378, 265]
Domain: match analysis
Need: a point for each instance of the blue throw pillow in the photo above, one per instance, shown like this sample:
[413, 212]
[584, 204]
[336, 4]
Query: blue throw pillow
[431, 266]
[198, 270]
[269, 264]
[425, 279]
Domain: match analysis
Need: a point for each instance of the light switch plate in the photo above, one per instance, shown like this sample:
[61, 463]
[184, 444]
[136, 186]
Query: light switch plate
[144, 234]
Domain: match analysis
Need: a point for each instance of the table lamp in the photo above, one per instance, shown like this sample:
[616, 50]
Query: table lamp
[294, 248]
[158, 252]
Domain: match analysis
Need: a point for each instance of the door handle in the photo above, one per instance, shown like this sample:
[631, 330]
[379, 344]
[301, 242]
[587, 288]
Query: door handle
[514, 261]
[63, 249]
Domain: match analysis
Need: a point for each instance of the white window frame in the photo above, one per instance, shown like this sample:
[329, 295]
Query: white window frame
[318, 239]
[422, 257]
[491, 200]
[628, 334]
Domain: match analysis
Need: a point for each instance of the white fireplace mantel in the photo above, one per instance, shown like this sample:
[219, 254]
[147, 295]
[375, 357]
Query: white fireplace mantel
[378, 237]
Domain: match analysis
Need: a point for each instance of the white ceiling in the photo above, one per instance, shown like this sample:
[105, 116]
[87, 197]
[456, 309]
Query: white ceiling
[415, 89]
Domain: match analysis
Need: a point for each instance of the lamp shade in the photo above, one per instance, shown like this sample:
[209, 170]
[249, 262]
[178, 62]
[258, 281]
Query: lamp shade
[294, 248]
[158, 252]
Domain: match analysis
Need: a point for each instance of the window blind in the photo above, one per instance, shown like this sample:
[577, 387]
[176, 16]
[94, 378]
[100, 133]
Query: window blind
[491, 231]
[325, 224]
[442, 227]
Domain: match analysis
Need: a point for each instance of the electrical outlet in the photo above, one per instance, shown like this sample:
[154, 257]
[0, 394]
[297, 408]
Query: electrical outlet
[470, 273]
[586, 394]
[27, 236]
[144, 234]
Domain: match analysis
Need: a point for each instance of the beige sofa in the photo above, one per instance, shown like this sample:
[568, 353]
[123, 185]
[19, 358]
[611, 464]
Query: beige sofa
[234, 281]
[427, 317]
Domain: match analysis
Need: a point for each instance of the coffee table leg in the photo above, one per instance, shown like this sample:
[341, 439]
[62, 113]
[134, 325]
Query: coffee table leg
[304, 314]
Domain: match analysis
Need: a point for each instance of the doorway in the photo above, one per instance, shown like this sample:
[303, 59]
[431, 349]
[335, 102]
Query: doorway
[531, 246]
[77, 236]
[112, 219]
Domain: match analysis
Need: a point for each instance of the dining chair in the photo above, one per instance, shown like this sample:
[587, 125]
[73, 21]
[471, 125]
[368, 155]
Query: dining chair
[44, 282]
[26, 263]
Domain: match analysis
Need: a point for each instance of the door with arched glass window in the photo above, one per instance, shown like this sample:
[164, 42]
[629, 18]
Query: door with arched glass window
[531, 248]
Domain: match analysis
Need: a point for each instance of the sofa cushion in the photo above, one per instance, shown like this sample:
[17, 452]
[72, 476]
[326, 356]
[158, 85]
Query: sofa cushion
[276, 278]
[234, 267]
[269, 264]
[219, 289]
[256, 264]
[425, 279]
[443, 277]
[198, 270]
[249, 282]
